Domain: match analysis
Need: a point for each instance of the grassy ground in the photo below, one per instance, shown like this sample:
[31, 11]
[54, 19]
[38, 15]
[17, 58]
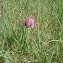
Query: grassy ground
[43, 44]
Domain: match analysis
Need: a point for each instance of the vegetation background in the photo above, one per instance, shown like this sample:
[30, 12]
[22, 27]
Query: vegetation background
[43, 44]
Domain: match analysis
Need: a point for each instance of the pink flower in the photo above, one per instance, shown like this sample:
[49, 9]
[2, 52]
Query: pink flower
[29, 22]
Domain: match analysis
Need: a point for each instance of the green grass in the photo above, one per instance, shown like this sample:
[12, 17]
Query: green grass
[43, 44]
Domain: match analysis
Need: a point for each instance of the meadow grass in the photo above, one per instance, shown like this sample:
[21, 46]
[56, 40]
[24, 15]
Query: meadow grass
[43, 44]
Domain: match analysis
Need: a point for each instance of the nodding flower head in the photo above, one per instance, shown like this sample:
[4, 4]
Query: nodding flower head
[29, 22]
